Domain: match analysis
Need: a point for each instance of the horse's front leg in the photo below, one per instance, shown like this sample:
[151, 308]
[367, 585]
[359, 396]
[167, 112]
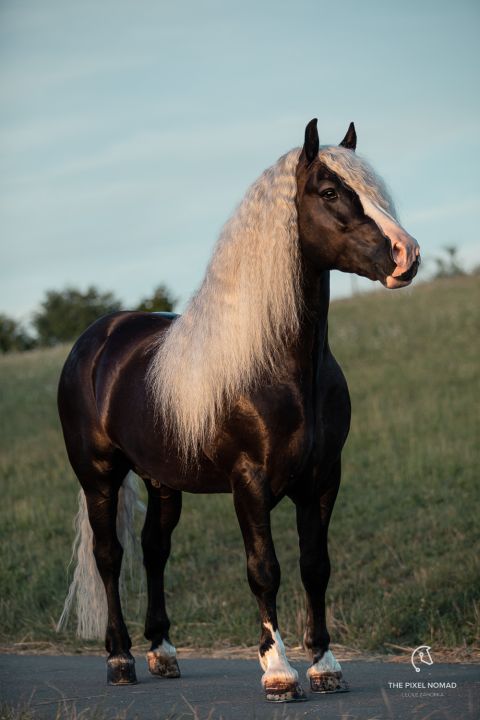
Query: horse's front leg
[251, 499]
[314, 509]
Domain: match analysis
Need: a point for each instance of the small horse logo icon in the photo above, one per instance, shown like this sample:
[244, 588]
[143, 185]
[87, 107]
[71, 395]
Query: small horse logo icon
[422, 655]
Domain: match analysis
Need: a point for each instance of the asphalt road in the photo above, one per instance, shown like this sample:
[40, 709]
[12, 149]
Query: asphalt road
[212, 689]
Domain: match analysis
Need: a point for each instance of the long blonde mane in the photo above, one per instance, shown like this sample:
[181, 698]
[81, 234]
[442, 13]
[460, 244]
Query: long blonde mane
[248, 306]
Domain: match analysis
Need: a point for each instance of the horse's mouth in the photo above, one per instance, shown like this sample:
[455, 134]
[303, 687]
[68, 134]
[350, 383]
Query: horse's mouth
[393, 282]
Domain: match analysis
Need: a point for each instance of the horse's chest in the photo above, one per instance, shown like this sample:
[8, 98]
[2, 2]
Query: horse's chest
[306, 424]
[282, 429]
[288, 419]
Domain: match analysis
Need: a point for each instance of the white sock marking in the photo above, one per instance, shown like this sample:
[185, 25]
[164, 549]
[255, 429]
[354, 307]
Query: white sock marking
[165, 650]
[274, 663]
[327, 664]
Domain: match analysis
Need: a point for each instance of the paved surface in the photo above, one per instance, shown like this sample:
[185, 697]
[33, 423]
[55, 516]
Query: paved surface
[212, 689]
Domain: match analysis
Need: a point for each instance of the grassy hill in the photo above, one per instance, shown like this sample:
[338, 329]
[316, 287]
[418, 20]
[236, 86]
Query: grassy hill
[404, 544]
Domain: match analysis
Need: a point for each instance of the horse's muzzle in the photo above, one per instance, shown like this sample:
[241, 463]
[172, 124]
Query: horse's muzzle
[393, 282]
[410, 273]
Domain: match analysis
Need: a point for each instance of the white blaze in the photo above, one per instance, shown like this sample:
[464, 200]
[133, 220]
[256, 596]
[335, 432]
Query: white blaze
[405, 249]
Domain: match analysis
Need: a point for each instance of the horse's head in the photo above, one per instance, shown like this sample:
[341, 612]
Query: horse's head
[346, 218]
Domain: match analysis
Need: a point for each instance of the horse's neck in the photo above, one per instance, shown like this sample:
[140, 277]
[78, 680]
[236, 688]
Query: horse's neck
[312, 340]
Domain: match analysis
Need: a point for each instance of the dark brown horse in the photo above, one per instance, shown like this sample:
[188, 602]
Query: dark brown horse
[240, 394]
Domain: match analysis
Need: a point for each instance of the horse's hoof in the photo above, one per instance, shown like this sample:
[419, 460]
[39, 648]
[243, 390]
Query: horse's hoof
[328, 682]
[284, 692]
[121, 670]
[162, 665]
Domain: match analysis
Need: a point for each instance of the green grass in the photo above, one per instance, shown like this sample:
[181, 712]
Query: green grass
[403, 542]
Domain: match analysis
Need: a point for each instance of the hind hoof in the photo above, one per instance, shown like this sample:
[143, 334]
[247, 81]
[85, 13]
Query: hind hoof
[328, 682]
[284, 692]
[121, 670]
[162, 665]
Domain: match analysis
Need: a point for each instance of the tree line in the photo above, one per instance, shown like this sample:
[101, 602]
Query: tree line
[64, 314]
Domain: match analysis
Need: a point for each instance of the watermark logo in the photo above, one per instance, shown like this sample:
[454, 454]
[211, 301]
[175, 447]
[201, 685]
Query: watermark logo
[425, 687]
[420, 655]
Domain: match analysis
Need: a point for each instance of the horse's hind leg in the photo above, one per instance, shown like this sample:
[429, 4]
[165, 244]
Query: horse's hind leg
[163, 514]
[313, 516]
[101, 492]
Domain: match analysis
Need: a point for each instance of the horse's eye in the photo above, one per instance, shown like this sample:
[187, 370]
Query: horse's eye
[329, 194]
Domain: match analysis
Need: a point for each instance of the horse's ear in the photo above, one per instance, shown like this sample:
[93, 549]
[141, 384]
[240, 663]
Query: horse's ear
[312, 143]
[350, 139]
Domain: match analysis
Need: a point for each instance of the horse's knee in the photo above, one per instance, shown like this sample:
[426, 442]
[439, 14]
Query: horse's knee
[263, 574]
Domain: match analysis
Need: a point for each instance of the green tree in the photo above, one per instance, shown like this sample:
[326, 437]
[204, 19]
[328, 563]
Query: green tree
[65, 314]
[13, 336]
[160, 301]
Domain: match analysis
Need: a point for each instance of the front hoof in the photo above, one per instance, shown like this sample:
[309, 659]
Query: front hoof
[162, 665]
[284, 692]
[328, 682]
[121, 670]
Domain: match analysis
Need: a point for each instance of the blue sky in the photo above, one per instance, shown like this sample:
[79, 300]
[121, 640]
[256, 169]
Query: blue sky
[130, 130]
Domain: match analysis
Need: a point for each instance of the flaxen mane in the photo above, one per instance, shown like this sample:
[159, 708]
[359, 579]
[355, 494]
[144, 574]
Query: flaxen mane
[248, 306]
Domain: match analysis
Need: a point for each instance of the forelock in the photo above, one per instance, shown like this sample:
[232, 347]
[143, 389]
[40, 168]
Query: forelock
[358, 174]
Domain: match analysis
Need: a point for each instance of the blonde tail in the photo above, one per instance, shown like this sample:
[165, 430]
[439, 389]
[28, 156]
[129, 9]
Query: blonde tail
[86, 590]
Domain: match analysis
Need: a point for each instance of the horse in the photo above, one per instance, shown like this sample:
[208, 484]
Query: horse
[240, 394]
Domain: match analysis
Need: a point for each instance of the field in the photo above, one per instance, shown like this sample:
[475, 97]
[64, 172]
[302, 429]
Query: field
[403, 541]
